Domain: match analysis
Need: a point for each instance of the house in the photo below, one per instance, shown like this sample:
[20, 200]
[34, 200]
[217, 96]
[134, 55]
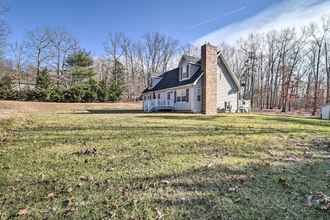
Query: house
[325, 112]
[205, 85]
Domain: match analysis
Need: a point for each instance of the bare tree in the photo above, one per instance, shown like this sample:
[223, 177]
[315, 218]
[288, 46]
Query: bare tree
[326, 28]
[317, 42]
[159, 50]
[327, 67]
[38, 43]
[113, 49]
[18, 57]
[62, 45]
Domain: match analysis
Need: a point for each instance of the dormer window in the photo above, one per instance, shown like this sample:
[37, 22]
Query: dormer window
[185, 72]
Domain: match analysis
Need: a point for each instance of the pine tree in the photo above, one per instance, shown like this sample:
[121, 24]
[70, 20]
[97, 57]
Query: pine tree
[80, 67]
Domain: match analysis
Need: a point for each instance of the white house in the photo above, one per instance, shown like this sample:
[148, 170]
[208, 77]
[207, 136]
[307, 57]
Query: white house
[325, 112]
[205, 85]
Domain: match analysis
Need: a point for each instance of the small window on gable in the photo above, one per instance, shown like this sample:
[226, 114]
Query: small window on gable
[184, 73]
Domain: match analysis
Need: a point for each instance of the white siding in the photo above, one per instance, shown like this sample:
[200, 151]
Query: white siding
[197, 91]
[162, 100]
[227, 91]
[325, 112]
[183, 105]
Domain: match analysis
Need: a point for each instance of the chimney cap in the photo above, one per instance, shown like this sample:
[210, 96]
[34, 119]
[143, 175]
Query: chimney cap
[208, 44]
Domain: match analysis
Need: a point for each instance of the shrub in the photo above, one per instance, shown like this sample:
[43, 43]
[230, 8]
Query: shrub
[102, 91]
[6, 88]
[43, 85]
[73, 94]
[114, 92]
[55, 94]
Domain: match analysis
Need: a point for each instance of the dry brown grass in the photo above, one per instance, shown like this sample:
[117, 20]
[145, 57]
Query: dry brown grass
[15, 108]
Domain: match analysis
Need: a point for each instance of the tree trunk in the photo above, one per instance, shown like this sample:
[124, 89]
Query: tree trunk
[327, 67]
[38, 62]
[58, 67]
[316, 85]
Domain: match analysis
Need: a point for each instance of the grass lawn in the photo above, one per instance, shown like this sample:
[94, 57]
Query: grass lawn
[103, 164]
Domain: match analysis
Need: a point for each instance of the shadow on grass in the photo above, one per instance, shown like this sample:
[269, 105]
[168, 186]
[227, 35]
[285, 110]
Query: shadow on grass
[110, 111]
[184, 116]
[264, 191]
[299, 121]
[109, 132]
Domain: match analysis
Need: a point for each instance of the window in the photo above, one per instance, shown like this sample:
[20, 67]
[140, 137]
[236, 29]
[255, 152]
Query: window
[168, 96]
[198, 95]
[227, 106]
[154, 96]
[181, 95]
[184, 73]
[158, 96]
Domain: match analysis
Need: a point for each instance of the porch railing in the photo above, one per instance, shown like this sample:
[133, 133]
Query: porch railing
[158, 105]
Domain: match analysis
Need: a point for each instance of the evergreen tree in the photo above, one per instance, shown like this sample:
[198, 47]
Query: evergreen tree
[80, 66]
[114, 92]
[43, 85]
[118, 81]
[6, 87]
[102, 91]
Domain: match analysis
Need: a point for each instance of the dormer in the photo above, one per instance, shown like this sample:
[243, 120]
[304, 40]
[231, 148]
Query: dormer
[154, 80]
[187, 67]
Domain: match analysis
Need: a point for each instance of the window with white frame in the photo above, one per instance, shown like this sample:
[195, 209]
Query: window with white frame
[182, 95]
[184, 72]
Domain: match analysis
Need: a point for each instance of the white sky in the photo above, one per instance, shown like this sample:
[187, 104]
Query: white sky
[290, 13]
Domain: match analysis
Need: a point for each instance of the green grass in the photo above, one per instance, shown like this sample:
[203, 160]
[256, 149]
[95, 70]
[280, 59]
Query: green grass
[162, 166]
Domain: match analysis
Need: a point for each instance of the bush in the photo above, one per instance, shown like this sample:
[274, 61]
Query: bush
[43, 85]
[29, 95]
[89, 95]
[6, 88]
[73, 94]
[55, 94]
[114, 92]
[102, 91]
[46, 90]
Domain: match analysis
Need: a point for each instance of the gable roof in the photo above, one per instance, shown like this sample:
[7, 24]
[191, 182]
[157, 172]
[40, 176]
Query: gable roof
[231, 74]
[189, 59]
[170, 79]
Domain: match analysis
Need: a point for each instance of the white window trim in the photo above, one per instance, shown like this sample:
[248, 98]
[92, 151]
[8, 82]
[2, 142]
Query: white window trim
[188, 73]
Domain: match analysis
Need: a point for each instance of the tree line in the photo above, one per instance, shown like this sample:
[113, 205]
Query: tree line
[73, 74]
[285, 70]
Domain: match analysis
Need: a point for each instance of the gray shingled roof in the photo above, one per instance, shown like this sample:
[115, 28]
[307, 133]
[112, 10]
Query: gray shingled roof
[170, 79]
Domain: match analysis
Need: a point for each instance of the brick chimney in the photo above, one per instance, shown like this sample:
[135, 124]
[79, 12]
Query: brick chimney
[209, 65]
